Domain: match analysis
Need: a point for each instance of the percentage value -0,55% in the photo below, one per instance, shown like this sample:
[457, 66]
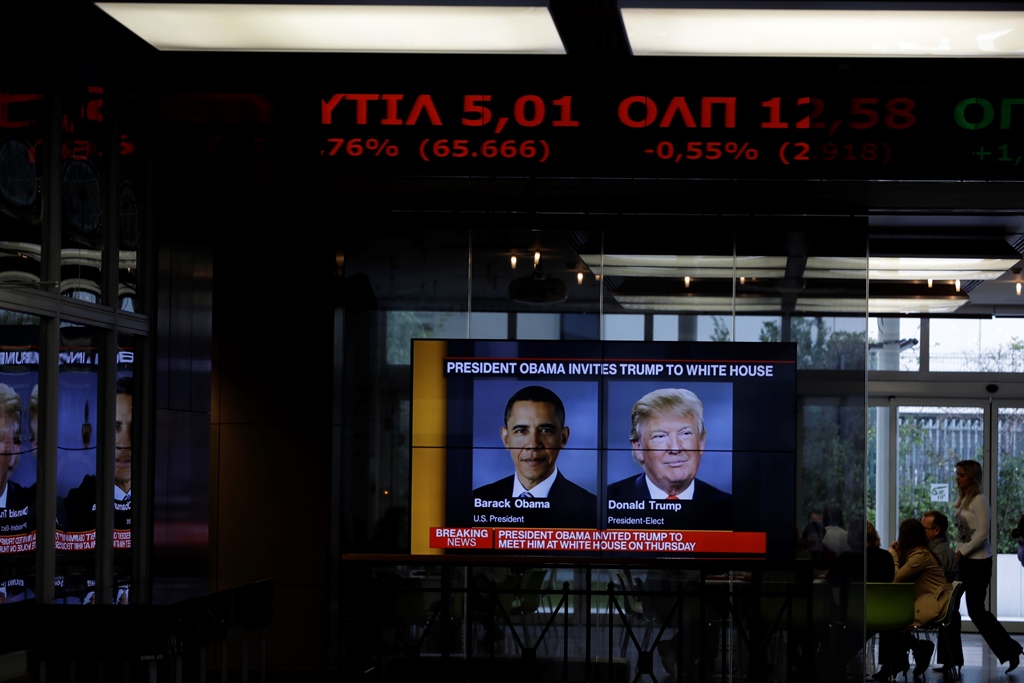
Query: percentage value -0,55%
[709, 151]
[357, 147]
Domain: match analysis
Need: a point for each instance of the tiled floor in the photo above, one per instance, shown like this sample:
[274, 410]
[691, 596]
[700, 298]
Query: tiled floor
[507, 664]
[980, 666]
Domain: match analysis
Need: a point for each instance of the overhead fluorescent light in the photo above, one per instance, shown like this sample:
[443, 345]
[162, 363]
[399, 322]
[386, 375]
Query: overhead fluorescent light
[670, 265]
[882, 305]
[908, 268]
[901, 258]
[888, 297]
[714, 304]
[857, 30]
[699, 303]
[515, 27]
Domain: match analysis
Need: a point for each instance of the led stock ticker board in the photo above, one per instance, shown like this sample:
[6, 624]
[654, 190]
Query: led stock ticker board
[862, 132]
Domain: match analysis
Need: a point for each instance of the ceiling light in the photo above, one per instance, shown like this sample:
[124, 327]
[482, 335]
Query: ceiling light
[900, 258]
[515, 27]
[908, 268]
[670, 265]
[699, 303]
[857, 30]
[881, 306]
[887, 298]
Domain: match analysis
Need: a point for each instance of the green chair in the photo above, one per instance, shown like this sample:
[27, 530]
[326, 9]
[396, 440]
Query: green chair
[880, 606]
[874, 607]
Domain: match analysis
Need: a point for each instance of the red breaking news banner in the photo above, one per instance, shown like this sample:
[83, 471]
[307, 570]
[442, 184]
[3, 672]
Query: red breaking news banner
[681, 542]
[18, 543]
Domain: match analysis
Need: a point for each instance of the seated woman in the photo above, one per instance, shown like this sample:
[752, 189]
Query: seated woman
[914, 563]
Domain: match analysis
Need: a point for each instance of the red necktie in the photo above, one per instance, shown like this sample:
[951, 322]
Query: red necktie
[672, 498]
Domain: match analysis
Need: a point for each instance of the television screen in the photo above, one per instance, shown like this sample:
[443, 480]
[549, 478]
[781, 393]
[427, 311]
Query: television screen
[682, 449]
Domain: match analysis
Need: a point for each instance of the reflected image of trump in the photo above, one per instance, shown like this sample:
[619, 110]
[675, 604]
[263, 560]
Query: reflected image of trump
[667, 438]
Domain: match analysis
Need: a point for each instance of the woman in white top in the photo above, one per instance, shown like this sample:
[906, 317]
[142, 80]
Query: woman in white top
[974, 554]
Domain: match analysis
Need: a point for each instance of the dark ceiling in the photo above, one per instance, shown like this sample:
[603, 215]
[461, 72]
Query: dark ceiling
[245, 121]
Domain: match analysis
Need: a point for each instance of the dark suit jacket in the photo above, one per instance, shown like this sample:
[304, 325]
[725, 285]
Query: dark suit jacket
[571, 504]
[635, 488]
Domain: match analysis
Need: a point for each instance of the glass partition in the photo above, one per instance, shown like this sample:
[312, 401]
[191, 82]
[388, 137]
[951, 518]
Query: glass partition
[23, 113]
[1009, 513]
[124, 434]
[85, 179]
[78, 433]
[19, 430]
[599, 286]
[131, 203]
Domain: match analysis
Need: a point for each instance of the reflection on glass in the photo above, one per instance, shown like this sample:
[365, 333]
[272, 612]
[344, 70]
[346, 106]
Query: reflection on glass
[743, 327]
[832, 458]
[21, 201]
[77, 410]
[83, 190]
[19, 374]
[129, 206]
[76, 473]
[123, 455]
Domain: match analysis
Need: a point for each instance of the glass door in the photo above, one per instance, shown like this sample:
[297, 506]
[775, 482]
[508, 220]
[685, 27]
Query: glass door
[930, 440]
[1008, 500]
[914, 449]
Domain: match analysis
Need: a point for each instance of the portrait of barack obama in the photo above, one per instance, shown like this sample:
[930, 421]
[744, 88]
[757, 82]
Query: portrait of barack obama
[534, 433]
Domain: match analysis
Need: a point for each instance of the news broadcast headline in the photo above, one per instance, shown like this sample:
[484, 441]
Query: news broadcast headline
[680, 542]
[523, 367]
[18, 543]
[86, 540]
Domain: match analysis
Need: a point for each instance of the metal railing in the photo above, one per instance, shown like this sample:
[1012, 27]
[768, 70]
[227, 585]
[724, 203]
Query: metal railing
[665, 621]
[141, 642]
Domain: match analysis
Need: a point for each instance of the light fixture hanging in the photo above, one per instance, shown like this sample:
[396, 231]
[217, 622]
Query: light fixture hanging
[385, 26]
[538, 288]
[856, 29]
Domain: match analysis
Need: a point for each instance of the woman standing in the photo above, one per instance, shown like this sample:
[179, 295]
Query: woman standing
[974, 555]
[915, 563]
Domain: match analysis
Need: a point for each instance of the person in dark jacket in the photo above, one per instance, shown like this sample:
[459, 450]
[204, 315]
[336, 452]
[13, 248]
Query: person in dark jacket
[534, 432]
[668, 437]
